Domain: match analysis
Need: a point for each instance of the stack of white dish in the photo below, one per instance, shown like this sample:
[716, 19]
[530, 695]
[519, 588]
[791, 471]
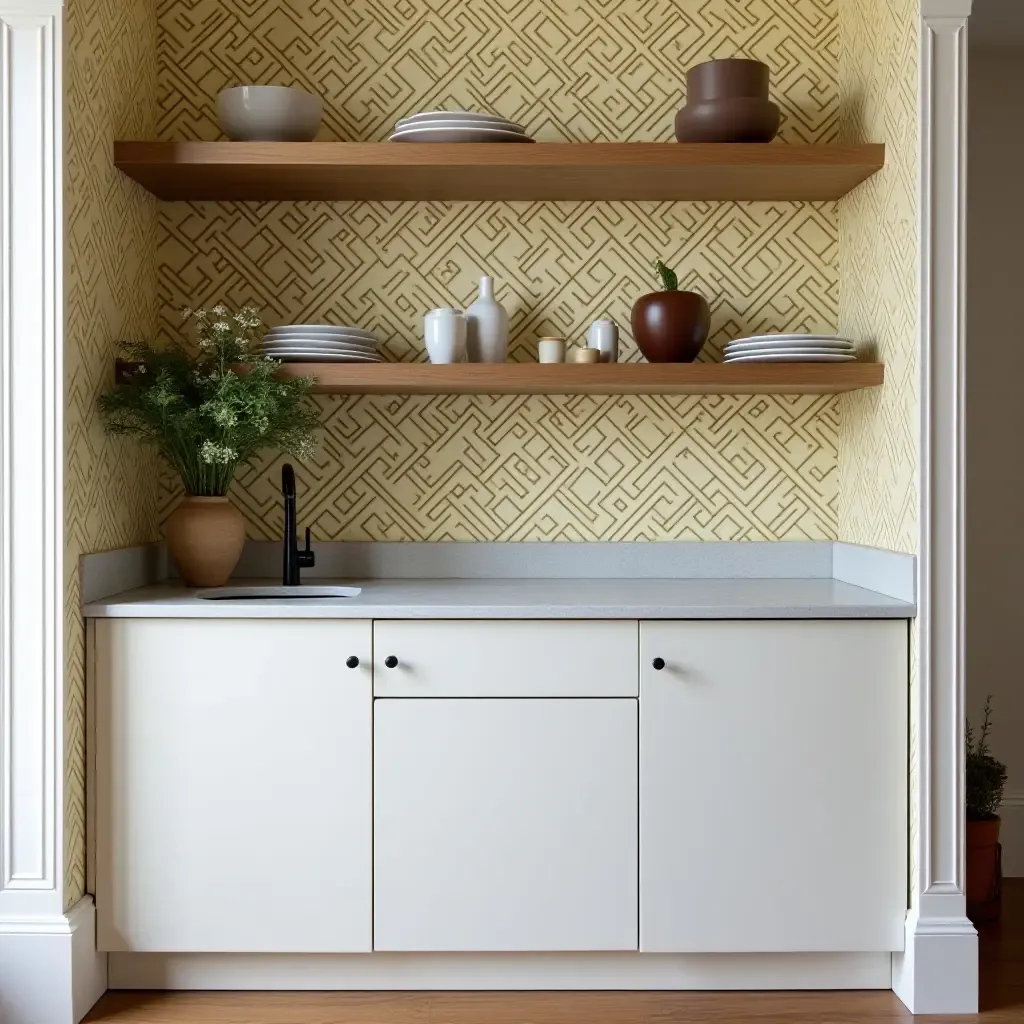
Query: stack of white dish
[791, 348]
[320, 343]
[458, 126]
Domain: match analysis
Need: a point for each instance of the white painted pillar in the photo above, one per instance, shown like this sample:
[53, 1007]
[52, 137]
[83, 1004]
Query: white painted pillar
[37, 941]
[938, 972]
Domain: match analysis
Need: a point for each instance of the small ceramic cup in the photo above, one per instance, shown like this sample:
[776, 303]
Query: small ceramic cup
[444, 331]
[551, 350]
[604, 337]
[583, 355]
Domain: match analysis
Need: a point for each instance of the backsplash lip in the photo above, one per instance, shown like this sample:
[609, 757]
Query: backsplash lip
[889, 573]
[553, 560]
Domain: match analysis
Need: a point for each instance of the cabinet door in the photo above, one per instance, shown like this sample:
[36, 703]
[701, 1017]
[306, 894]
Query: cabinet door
[773, 786]
[233, 786]
[505, 824]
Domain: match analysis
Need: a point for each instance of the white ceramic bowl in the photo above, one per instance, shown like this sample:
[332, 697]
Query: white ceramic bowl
[269, 113]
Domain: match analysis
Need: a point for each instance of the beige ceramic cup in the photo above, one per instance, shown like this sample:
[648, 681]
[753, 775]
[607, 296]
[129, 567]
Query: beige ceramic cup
[583, 355]
[551, 350]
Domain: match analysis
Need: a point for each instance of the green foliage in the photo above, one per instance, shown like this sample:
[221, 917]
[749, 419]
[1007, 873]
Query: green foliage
[669, 278]
[200, 415]
[985, 775]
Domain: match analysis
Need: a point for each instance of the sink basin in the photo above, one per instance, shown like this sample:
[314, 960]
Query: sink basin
[302, 593]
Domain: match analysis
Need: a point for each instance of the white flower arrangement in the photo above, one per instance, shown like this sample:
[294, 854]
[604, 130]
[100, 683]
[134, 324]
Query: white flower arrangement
[209, 414]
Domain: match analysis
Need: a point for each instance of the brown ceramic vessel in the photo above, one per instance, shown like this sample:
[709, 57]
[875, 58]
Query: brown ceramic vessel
[727, 101]
[205, 538]
[671, 327]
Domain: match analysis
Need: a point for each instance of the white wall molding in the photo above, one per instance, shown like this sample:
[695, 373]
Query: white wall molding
[50, 972]
[31, 458]
[938, 973]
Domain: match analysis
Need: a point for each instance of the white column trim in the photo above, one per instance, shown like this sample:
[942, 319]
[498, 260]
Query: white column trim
[938, 972]
[50, 970]
[31, 458]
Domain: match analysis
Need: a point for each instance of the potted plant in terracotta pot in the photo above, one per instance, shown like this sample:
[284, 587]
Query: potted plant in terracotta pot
[984, 792]
[206, 414]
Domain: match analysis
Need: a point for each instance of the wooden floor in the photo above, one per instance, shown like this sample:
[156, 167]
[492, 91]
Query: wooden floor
[1002, 996]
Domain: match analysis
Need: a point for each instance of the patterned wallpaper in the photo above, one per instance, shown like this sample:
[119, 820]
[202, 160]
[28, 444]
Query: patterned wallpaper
[878, 298]
[519, 468]
[878, 305]
[110, 490]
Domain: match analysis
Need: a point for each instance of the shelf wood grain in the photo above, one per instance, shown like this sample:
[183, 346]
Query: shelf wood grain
[571, 379]
[480, 171]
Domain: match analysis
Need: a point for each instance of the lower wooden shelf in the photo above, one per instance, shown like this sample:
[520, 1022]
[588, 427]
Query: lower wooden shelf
[574, 379]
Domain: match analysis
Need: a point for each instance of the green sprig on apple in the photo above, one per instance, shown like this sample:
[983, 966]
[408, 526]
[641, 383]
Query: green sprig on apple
[669, 278]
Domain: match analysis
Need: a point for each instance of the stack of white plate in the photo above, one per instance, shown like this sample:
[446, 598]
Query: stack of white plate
[320, 343]
[791, 348]
[458, 126]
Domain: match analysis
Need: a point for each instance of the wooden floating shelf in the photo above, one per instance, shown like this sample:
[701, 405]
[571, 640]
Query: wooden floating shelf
[474, 171]
[573, 379]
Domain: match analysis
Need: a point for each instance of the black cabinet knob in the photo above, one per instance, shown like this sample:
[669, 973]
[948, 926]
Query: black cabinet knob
[391, 661]
[659, 664]
[353, 662]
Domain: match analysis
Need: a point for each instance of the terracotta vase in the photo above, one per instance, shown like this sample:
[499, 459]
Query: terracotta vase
[727, 101]
[205, 537]
[671, 327]
[983, 881]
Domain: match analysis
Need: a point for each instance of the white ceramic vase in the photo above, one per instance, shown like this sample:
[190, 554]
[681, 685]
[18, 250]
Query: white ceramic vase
[444, 331]
[487, 327]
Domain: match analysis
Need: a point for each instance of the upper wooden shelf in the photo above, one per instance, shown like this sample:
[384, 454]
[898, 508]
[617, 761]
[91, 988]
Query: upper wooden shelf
[474, 171]
[575, 379]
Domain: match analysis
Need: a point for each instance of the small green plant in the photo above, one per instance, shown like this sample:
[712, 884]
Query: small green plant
[201, 415]
[669, 278]
[985, 775]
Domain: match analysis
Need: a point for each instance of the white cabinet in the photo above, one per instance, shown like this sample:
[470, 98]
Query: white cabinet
[773, 794]
[233, 786]
[505, 824]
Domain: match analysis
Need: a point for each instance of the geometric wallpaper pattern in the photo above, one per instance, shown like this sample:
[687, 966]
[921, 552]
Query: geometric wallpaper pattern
[531, 468]
[516, 468]
[110, 487]
[878, 307]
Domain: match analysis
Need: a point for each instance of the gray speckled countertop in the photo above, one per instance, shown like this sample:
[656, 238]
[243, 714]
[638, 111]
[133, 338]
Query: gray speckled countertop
[531, 599]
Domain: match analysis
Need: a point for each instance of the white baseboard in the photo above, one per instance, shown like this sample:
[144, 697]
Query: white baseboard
[506, 971]
[938, 971]
[50, 971]
[1011, 834]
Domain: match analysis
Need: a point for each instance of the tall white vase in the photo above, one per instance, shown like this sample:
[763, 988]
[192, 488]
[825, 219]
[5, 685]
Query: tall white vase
[487, 327]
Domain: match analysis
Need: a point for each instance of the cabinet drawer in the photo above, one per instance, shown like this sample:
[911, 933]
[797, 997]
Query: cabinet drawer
[505, 659]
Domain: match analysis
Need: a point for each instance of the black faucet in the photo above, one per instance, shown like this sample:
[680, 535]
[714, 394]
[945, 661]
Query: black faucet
[294, 559]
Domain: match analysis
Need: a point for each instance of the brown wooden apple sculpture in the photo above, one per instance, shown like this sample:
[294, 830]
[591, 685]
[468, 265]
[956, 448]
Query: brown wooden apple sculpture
[670, 326]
